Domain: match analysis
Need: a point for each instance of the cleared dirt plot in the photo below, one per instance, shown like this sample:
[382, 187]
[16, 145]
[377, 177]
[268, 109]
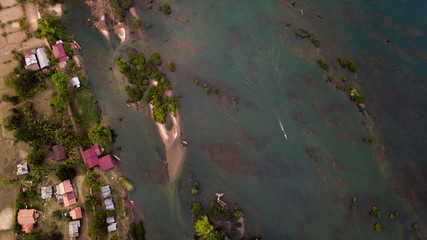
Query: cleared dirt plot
[7, 3]
[33, 43]
[13, 27]
[6, 217]
[10, 14]
[15, 37]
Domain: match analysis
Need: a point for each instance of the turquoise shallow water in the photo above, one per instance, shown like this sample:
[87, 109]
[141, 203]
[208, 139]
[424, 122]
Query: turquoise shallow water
[247, 51]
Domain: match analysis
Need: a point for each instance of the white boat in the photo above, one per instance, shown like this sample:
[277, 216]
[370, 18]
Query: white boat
[283, 130]
[302, 12]
[116, 157]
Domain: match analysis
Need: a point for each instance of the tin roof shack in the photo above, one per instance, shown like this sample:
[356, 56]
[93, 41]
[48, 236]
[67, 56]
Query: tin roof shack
[42, 58]
[106, 191]
[73, 229]
[47, 192]
[59, 53]
[22, 169]
[75, 82]
[109, 205]
[31, 60]
[27, 218]
[58, 152]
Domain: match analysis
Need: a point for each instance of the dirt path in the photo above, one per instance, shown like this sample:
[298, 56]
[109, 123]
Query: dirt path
[31, 16]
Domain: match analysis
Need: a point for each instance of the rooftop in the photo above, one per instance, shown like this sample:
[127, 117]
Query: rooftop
[59, 52]
[76, 213]
[106, 163]
[58, 152]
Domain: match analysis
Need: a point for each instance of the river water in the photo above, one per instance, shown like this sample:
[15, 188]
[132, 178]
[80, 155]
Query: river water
[246, 50]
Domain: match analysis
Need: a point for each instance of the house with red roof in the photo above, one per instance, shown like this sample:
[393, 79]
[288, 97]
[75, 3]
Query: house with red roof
[91, 156]
[58, 152]
[76, 213]
[27, 218]
[91, 159]
[59, 52]
[106, 163]
[65, 193]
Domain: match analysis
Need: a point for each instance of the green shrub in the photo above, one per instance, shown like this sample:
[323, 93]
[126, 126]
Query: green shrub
[195, 188]
[352, 66]
[238, 224]
[338, 86]
[342, 62]
[92, 180]
[171, 66]
[137, 230]
[343, 79]
[234, 101]
[329, 79]
[137, 23]
[215, 91]
[166, 9]
[207, 90]
[315, 42]
[317, 159]
[377, 227]
[196, 82]
[148, 25]
[414, 226]
[356, 97]
[375, 212]
[22, 24]
[91, 201]
[352, 208]
[323, 64]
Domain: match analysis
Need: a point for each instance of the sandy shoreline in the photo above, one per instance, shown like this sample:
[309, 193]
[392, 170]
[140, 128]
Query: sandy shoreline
[174, 150]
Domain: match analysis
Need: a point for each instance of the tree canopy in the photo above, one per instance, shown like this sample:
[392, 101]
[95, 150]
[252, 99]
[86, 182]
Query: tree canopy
[206, 231]
[51, 28]
[63, 172]
[100, 133]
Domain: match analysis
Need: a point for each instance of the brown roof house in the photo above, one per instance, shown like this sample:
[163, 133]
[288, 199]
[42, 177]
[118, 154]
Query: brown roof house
[65, 193]
[27, 218]
[58, 152]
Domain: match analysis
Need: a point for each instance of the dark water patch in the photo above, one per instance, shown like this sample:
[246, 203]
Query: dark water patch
[299, 117]
[308, 82]
[230, 159]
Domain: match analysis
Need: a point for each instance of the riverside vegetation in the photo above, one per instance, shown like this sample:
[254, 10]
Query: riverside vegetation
[138, 69]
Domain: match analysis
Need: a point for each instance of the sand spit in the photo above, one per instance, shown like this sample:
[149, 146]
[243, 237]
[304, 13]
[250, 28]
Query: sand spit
[174, 150]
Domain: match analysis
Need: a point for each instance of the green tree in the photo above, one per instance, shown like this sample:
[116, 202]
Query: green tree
[323, 64]
[100, 133]
[196, 210]
[342, 62]
[64, 172]
[195, 188]
[156, 58]
[92, 180]
[98, 225]
[205, 230]
[91, 201]
[114, 237]
[28, 109]
[12, 121]
[352, 66]
[23, 81]
[137, 23]
[166, 9]
[51, 28]
[137, 231]
[36, 156]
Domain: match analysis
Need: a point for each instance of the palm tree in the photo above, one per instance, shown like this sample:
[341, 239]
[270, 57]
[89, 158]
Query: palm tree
[100, 133]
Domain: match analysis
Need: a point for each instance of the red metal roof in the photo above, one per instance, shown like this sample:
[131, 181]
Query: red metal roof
[91, 157]
[69, 199]
[106, 163]
[59, 52]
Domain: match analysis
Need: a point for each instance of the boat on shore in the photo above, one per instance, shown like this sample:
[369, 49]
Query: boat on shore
[77, 45]
[283, 130]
